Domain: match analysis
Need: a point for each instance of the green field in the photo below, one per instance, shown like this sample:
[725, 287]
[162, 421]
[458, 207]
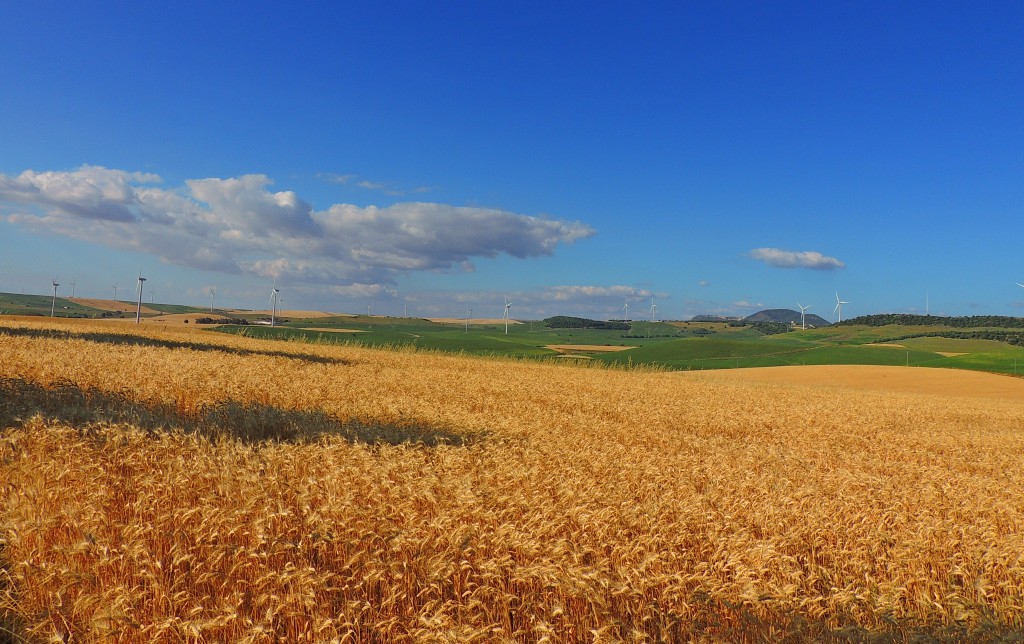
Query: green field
[12, 304]
[667, 345]
[672, 345]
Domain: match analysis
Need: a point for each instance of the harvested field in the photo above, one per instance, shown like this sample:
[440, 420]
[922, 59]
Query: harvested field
[886, 344]
[300, 315]
[333, 330]
[472, 321]
[111, 305]
[586, 348]
[911, 380]
[244, 490]
[170, 319]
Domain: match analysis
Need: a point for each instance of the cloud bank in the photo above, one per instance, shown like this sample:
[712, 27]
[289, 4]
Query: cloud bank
[238, 225]
[796, 259]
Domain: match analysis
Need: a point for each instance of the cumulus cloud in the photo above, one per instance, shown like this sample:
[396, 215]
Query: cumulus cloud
[239, 225]
[796, 259]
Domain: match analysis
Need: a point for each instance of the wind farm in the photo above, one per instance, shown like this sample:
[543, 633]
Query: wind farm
[770, 338]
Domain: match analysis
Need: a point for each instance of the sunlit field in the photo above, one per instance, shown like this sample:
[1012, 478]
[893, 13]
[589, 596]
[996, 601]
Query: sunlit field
[181, 485]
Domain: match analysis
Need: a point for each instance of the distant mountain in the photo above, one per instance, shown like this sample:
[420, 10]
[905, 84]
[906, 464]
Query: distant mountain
[786, 316]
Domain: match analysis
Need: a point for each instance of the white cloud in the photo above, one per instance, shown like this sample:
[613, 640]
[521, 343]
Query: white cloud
[596, 302]
[745, 304]
[390, 189]
[572, 293]
[332, 177]
[238, 225]
[796, 259]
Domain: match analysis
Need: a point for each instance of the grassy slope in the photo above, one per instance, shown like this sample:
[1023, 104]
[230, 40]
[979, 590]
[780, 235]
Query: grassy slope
[12, 304]
[676, 345]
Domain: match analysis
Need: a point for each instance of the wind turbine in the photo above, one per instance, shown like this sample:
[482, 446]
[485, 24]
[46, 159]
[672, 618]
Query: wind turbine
[469, 314]
[625, 311]
[115, 292]
[839, 307]
[72, 289]
[507, 305]
[273, 299]
[803, 324]
[213, 296]
[654, 308]
[53, 302]
[138, 310]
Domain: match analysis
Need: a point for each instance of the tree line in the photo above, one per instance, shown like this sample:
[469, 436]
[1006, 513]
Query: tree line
[963, 322]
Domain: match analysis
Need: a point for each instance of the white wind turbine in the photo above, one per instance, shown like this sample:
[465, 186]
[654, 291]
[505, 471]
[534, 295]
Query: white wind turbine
[625, 311]
[507, 306]
[73, 289]
[53, 302]
[839, 306]
[654, 309]
[115, 292]
[213, 296]
[803, 323]
[138, 309]
[273, 300]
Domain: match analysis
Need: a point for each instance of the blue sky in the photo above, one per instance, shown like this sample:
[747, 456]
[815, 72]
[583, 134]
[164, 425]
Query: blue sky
[720, 157]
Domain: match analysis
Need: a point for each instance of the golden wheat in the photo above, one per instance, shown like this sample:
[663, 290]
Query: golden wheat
[596, 504]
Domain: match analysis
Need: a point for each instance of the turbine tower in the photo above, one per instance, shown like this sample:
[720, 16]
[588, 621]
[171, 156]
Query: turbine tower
[803, 323]
[53, 302]
[469, 314]
[625, 311]
[654, 309]
[507, 305]
[273, 300]
[115, 292]
[138, 310]
[839, 306]
[72, 289]
[213, 296]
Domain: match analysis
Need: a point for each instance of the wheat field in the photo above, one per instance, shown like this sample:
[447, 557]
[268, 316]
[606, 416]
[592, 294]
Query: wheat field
[180, 485]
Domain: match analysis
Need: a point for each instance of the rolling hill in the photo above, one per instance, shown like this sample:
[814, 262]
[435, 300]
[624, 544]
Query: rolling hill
[786, 316]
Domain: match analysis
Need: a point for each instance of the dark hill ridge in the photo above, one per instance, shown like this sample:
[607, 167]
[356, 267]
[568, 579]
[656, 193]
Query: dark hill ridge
[786, 316]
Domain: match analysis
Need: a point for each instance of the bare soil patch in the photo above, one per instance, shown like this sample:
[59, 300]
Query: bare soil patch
[916, 380]
[886, 344]
[951, 354]
[587, 348]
